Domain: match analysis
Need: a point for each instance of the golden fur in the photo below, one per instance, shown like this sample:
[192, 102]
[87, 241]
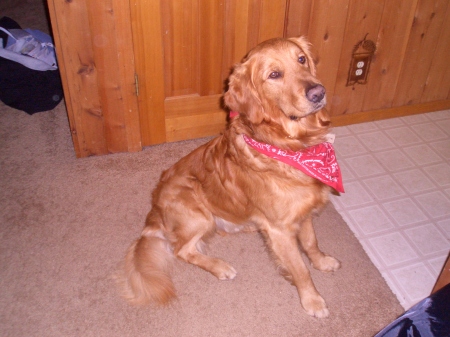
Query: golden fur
[226, 186]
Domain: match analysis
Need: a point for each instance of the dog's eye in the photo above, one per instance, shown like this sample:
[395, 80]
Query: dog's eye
[302, 59]
[275, 74]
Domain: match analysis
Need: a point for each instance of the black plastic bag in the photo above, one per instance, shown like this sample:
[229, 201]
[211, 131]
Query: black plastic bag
[26, 89]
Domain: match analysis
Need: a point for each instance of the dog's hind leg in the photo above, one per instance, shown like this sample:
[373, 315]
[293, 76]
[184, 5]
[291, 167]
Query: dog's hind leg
[190, 252]
[191, 227]
[308, 241]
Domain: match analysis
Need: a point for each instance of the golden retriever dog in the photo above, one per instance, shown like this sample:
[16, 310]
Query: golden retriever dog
[226, 185]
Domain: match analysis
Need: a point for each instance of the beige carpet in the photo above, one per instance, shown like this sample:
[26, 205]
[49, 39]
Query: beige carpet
[67, 222]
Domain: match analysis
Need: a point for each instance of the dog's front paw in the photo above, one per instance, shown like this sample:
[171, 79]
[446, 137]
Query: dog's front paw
[315, 306]
[224, 271]
[326, 263]
[228, 274]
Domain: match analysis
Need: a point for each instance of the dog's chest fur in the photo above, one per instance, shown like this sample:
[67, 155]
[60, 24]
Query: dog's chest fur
[247, 185]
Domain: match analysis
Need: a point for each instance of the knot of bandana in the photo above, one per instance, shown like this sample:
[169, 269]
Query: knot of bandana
[318, 161]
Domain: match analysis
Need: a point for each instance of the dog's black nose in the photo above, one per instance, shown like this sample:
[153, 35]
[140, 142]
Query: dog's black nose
[315, 93]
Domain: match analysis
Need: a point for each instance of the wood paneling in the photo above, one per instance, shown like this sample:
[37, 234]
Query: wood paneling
[436, 87]
[412, 39]
[211, 47]
[195, 43]
[392, 40]
[181, 41]
[363, 20]
[79, 75]
[425, 31]
[126, 84]
[271, 24]
[326, 33]
[298, 17]
[147, 42]
[208, 119]
[182, 51]
[92, 39]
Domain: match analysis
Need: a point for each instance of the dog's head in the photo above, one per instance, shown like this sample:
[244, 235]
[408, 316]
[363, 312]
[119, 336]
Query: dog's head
[277, 94]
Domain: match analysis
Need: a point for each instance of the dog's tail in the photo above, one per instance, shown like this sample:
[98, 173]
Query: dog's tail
[145, 274]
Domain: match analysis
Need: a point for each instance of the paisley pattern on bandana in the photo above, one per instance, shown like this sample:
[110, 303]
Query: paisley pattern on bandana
[318, 161]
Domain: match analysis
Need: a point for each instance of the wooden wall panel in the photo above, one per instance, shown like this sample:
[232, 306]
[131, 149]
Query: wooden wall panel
[298, 18]
[101, 104]
[79, 75]
[427, 24]
[247, 23]
[437, 83]
[363, 20]
[102, 25]
[392, 40]
[326, 34]
[62, 52]
[181, 52]
[271, 24]
[127, 75]
[253, 18]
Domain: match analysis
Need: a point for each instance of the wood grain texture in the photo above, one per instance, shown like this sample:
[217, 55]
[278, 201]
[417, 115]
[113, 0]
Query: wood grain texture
[180, 41]
[101, 104]
[64, 68]
[177, 106]
[80, 75]
[148, 51]
[105, 50]
[392, 41]
[182, 52]
[363, 20]
[298, 18]
[422, 44]
[206, 117]
[126, 67]
[236, 33]
[211, 34]
[271, 24]
[437, 83]
[201, 40]
[326, 34]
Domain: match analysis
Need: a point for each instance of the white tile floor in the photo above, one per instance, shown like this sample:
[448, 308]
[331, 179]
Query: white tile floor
[397, 179]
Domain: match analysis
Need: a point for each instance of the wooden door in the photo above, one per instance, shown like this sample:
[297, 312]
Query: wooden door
[184, 52]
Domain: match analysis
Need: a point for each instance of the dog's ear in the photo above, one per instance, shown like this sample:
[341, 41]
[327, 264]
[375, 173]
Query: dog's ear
[242, 95]
[307, 48]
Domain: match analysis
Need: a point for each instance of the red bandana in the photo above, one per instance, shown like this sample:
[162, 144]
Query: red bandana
[318, 161]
